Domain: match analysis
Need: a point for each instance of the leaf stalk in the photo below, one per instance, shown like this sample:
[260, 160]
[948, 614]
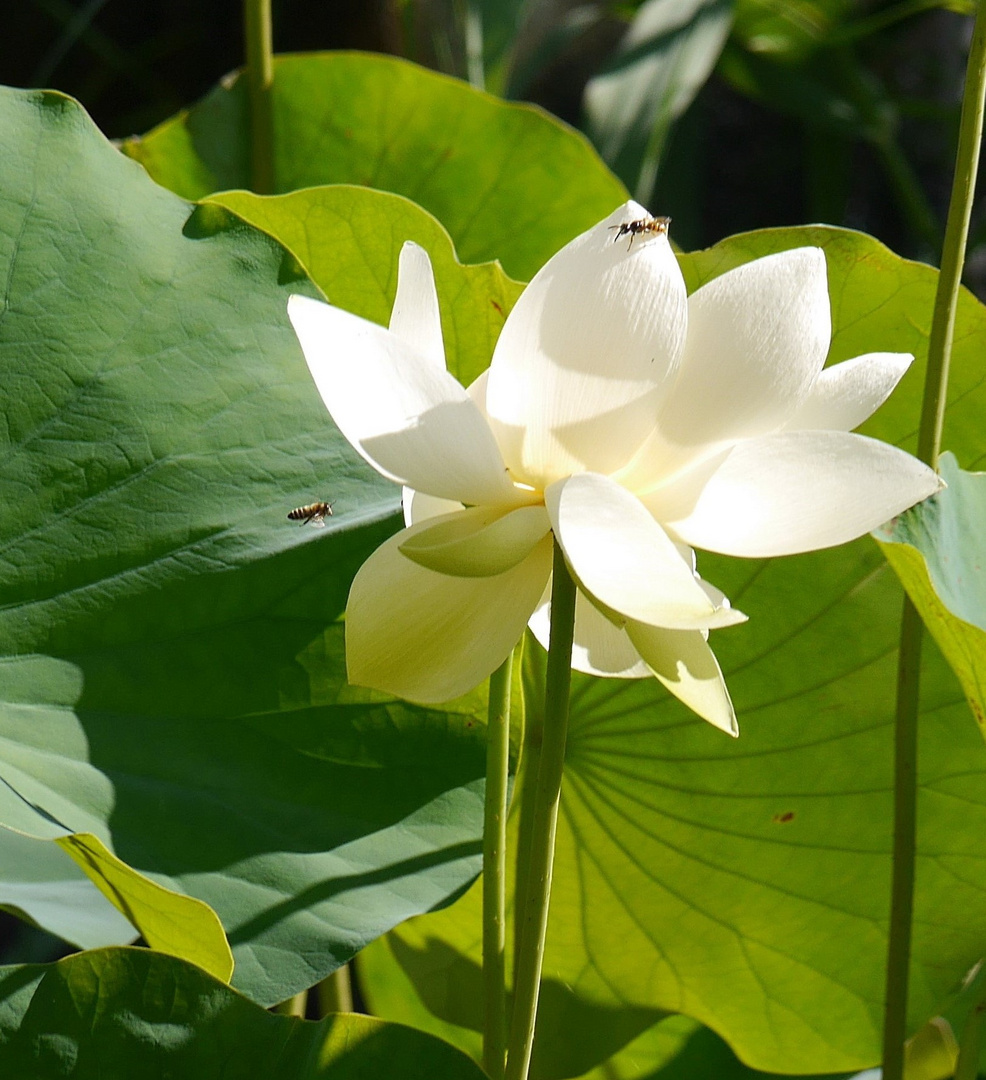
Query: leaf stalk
[912, 630]
[495, 871]
[532, 917]
[259, 40]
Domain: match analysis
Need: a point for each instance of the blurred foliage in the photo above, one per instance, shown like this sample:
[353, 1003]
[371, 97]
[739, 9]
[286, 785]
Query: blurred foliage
[836, 111]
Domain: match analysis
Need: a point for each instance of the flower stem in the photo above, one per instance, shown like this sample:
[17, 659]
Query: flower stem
[905, 818]
[532, 921]
[494, 871]
[293, 1006]
[953, 251]
[335, 992]
[929, 447]
[258, 31]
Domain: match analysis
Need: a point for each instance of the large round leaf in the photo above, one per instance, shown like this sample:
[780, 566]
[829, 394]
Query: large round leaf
[507, 181]
[171, 664]
[746, 883]
[132, 1012]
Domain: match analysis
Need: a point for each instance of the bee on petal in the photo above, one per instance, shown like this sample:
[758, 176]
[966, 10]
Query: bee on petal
[653, 226]
[313, 514]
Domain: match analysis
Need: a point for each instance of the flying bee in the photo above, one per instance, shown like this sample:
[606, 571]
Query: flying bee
[653, 226]
[313, 514]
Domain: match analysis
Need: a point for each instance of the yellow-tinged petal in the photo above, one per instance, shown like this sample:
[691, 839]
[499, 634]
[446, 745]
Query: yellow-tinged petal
[419, 507]
[621, 556]
[687, 667]
[479, 542]
[429, 637]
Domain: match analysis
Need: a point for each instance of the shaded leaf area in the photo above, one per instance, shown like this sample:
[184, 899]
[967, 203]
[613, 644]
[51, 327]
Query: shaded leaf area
[171, 661]
[746, 884]
[133, 1012]
[938, 550]
[43, 886]
[508, 181]
[346, 238]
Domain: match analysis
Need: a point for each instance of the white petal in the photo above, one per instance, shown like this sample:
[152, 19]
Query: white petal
[846, 394]
[411, 420]
[798, 491]
[479, 542]
[587, 354]
[416, 319]
[600, 647]
[477, 391]
[757, 338]
[418, 507]
[624, 559]
[430, 637]
[687, 667]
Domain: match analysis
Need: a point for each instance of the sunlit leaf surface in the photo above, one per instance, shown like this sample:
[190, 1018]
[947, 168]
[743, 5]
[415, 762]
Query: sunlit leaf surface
[508, 181]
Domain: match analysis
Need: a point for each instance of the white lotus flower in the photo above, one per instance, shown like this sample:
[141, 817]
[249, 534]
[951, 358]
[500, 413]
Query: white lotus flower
[627, 419]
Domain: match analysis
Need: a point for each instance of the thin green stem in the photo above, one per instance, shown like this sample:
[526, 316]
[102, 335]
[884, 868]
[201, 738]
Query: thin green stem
[532, 922]
[335, 992]
[495, 872]
[905, 819]
[929, 447]
[258, 31]
[953, 252]
[967, 1067]
[293, 1006]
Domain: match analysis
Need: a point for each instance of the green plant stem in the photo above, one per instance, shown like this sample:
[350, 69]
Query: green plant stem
[929, 447]
[905, 821]
[495, 870]
[293, 1006]
[258, 31]
[335, 992]
[967, 1066]
[953, 252]
[532, 921]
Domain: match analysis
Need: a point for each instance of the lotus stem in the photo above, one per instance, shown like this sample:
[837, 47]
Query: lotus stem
[953, 250]
[494, 872]
[912, 629]
[532, 921]
[259, 35]
[335, 992]
[293, 1006]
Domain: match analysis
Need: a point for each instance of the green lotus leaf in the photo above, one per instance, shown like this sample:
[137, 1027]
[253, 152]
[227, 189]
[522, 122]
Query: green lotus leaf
[168, 921]
[133, 1012]
[171, 651]
[44, 887]
[508, 181]
[346, 237]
